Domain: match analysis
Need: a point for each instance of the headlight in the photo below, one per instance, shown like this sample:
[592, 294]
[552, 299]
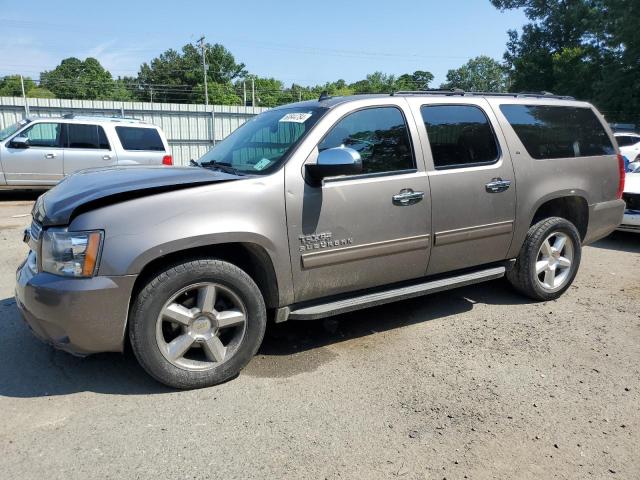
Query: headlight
[71, 254]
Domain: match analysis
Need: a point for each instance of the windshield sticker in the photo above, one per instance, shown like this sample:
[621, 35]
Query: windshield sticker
[297, 117]
[262, 164]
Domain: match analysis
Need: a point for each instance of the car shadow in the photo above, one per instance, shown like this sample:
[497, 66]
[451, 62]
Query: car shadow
[20, 195]
[30, 368]
[621, 241]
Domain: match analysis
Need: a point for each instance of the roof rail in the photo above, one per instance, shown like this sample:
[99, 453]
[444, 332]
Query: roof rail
[462, 93]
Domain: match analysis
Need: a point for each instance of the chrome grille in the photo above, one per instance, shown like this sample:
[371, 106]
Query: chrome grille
[35, 231]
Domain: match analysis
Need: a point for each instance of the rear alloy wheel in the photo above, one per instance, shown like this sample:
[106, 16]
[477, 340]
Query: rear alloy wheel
[548, 260]
[197, 323]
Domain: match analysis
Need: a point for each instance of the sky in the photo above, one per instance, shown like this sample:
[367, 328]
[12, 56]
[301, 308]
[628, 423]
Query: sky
[291, 41]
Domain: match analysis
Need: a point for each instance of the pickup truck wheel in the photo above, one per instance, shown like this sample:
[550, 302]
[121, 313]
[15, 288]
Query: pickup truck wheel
[197, 323]
[548, 260]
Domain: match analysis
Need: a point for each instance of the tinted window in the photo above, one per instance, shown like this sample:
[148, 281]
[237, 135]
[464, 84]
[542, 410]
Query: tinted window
[380, 135]
[133, 138]
[43, 135]
[459, 135]
[86, 136]
[627, 140]
[558, 132]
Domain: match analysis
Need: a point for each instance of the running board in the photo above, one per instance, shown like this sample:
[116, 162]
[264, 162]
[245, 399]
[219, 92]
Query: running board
[379, 298]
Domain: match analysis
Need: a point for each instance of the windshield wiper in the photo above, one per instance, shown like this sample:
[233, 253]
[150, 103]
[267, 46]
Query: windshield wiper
[221, 166]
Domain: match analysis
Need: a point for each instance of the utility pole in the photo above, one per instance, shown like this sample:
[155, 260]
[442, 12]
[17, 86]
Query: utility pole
[204, 69]
[151, 93]
[253, 92]
[244, 93]
[24, 97]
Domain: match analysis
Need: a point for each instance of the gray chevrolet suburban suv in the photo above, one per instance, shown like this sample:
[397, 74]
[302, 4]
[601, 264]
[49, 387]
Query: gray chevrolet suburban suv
[314, 209]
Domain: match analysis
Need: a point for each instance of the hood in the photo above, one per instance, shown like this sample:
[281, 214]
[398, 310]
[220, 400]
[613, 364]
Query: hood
[99, 187]
[632, 183]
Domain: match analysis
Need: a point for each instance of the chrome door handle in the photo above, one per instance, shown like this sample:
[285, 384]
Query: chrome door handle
[49, 155]
[497, 185]
[407, 197]
[106, 157]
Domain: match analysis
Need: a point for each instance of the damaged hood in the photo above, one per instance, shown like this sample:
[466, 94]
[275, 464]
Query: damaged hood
[98, 187]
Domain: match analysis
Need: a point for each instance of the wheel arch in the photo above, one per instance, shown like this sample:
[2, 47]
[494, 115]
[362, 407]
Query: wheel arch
[571, 207]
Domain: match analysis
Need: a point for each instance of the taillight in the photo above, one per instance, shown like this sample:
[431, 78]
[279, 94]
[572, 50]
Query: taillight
[167, 160]
[622, 174]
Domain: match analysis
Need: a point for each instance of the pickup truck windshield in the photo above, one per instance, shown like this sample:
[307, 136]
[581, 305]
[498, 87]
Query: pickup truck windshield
[11, 129]
[261, 144]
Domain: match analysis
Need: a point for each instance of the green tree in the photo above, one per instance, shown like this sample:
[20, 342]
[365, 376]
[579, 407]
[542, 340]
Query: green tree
[75, 78]
[40, 92]
[480, 74]
[10, 86]
[178, 76]
[585, 48]
[418, 80]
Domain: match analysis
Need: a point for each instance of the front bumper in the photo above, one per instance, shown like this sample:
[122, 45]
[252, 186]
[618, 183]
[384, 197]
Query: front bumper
[78, 315]
[630, 221]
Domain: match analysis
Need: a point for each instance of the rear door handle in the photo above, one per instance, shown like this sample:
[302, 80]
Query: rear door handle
[497, 185]
[407, 197]
[49, 155]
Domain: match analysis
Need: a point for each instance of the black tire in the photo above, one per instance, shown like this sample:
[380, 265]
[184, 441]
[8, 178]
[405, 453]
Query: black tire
[523, 275]
[152, 299]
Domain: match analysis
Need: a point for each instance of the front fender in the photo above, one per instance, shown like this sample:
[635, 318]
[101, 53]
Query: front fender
[141, 230]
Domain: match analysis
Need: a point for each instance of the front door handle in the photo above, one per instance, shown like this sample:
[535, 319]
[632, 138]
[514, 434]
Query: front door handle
[49, 155]
[497, 185]
[106, 157]
[407, 197]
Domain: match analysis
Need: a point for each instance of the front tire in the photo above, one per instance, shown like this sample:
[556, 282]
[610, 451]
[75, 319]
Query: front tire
[197, 323]
[548, 260]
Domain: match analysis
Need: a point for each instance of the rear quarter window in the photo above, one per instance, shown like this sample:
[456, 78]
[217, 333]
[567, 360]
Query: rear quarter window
[140, 139]
[558, 131]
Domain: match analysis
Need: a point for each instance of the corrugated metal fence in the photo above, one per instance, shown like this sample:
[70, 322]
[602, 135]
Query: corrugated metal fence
[190, 129]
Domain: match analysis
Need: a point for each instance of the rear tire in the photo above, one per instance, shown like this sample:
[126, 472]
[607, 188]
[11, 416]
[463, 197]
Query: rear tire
[548, 260]
[197, 323]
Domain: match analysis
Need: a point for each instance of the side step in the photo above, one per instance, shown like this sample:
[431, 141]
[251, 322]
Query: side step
[379, 298]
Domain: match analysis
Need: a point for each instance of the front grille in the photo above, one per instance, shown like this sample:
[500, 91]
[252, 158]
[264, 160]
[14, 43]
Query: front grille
[632, 200]
[35, 231]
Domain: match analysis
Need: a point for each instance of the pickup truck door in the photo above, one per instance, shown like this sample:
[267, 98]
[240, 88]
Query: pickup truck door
[40, 163]
[357, 232]
[472, 180]
[87, 147]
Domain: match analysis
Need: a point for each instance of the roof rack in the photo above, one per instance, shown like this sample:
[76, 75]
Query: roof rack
[462, 93]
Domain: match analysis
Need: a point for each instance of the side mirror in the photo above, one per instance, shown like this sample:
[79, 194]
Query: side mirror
[334, 162]
[19, 142]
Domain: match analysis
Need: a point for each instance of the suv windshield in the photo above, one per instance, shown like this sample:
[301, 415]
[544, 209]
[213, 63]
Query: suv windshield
[261, 144]
[11, 129]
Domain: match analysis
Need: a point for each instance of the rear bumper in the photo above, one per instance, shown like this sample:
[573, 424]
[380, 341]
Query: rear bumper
[80, 316]
[630, 221]
[604, 218]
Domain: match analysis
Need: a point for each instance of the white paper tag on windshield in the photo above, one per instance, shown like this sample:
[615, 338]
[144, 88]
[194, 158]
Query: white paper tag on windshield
[262, 164]
[297, 117]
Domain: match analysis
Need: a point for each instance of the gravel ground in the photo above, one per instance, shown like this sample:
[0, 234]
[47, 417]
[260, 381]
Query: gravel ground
[473, 383]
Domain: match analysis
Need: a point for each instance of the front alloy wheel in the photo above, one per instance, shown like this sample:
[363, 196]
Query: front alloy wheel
[197, 323]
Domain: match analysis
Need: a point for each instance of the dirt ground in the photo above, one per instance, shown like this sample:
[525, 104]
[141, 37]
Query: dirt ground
[473, 383]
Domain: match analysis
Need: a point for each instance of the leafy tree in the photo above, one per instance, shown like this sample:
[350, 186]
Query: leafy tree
[75, 78]
[480, 74]
[418, 80]
[40, 92]
[586, 48]
[178, 76]
[10, 86]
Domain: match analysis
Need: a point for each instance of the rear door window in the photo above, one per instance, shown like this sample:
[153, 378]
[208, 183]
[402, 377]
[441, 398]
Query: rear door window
[86, 136]
[459, 136]
[140, 139]
[558, 131]
[379, 134]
